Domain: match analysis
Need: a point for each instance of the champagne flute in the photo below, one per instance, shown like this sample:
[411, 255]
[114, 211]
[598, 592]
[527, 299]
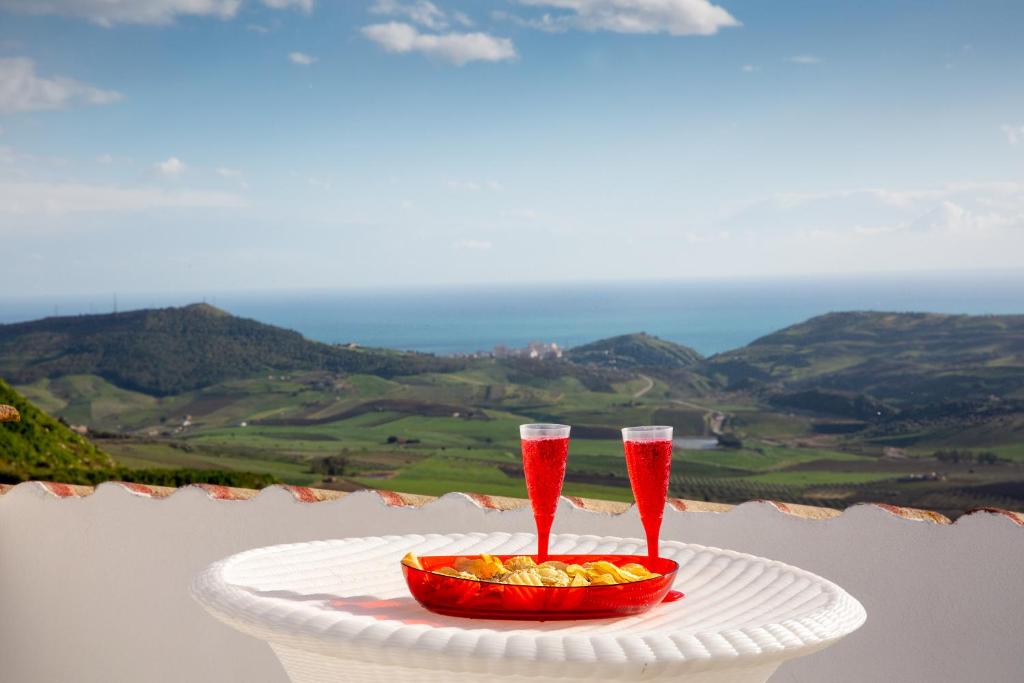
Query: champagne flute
[649, 462]
[545, 450]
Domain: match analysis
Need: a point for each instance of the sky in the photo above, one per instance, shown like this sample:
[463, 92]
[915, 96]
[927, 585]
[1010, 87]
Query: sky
[195, 145]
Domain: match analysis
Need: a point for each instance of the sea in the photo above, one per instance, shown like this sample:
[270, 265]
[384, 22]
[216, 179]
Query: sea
[709, 315]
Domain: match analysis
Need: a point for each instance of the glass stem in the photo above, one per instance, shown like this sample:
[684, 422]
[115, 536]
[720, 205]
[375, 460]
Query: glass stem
[653, 530]
[543, 535]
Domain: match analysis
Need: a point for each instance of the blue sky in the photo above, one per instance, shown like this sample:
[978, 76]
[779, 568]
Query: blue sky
[197, 145]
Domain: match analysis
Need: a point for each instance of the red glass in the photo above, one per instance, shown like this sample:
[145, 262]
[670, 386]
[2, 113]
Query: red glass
[545, 450]
[458, 597]
[649, 462]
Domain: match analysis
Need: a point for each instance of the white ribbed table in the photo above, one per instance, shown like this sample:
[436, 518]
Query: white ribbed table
[340, 611]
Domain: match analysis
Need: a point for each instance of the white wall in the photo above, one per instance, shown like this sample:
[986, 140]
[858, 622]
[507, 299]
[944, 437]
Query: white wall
[95, 589]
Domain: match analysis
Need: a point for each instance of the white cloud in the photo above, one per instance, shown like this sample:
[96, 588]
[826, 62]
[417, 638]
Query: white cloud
[105, 159]
[21, 89]
[171, 167]
[749, 68]
[804, 59]
[675, 17]
[257, 28]
[462, 19]
[1014, 134]
[980, 208]
[111, 12]
[456, 48]
[35, 199]
[420, 12]
[474, 245]
[301, 58]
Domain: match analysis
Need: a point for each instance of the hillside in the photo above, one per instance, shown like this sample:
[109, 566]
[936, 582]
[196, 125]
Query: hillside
[631, 351]
[908, 359]
[166, 351]
[41, 446]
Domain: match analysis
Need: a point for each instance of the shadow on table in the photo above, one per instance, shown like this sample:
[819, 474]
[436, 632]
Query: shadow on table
[404, 609]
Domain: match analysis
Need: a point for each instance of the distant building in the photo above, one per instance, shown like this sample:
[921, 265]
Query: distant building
[535, 350]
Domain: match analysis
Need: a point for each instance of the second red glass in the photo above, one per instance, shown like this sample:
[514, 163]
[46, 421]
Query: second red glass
[649, 462]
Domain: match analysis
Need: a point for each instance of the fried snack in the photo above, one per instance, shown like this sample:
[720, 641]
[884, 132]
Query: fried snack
[520, 562]
[522, 570]
[485, 567]
[410, 560]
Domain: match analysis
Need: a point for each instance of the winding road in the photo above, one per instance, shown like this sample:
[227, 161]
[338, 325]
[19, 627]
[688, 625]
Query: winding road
[644, 390]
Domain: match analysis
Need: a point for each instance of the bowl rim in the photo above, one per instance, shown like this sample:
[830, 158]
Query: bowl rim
[663, 575]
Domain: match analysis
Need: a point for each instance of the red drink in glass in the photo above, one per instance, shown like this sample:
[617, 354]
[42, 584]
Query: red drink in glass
[545, 450]
[649, 462]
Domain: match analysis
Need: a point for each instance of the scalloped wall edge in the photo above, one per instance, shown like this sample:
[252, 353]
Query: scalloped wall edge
[304, 494]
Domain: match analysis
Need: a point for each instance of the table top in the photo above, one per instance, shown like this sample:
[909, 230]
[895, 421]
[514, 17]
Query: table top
[347, 598]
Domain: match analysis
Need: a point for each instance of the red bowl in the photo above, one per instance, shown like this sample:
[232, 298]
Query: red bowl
[458, 597]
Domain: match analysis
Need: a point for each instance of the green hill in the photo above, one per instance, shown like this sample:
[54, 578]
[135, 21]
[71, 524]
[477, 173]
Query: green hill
[631, 351]
[40, 446]
[167, 351]
[908, 359]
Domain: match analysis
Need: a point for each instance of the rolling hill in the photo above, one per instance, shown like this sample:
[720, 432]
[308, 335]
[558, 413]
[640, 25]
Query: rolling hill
[166, 351]
[632, 351]
[906, 359]
[41, 446]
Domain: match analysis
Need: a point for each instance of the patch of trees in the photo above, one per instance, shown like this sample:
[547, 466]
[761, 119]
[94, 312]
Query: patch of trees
[153, 477]
[330, 466]
[400, 440]
[956, 456]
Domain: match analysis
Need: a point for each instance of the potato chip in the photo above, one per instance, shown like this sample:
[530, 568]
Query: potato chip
[551, 576]
[410, 560]
[448, 571]
[604, 567]
[520, 562]
[579, 580]
[480, 567]
[638, 570]
[493, 565]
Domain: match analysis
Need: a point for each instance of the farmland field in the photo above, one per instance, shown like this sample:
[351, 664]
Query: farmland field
[821, 412]
[431, 434]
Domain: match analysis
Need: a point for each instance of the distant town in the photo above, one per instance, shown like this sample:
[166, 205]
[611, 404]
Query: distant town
[535, 349]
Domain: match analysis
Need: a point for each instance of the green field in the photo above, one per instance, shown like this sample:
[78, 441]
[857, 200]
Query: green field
[434, 433]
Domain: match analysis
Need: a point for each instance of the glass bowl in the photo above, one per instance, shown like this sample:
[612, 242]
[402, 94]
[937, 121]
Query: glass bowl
[458, 597]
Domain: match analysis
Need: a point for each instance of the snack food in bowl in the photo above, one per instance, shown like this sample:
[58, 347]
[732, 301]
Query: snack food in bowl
[520, 587]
